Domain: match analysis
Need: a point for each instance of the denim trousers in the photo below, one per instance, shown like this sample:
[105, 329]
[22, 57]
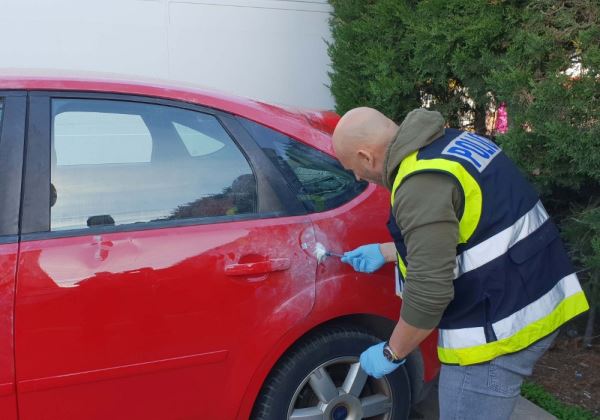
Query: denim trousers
[488, 390]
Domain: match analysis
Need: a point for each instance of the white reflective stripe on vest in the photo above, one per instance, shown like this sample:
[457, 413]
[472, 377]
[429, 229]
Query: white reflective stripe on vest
[542, 307]
[509, 326]
[501, 242]
[462, 337]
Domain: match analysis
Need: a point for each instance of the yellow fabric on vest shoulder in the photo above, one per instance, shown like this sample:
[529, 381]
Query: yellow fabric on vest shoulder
[473, 196]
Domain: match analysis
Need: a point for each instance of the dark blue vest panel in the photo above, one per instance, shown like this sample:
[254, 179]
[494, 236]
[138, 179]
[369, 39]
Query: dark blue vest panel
[507, 195]
[530, 268]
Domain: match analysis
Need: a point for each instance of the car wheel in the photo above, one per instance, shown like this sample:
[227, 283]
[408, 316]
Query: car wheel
[321, 379]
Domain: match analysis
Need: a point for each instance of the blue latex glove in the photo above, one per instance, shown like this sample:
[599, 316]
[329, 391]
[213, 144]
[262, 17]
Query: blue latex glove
[375, 363]
[365, 259]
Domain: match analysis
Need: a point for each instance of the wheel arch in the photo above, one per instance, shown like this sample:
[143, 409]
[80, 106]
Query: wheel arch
[379, 326]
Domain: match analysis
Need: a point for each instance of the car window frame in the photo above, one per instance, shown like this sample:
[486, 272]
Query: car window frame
[12, 140]
[36, 196]
[291, 188]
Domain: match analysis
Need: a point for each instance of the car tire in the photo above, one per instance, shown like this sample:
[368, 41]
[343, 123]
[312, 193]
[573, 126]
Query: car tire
[298, 385]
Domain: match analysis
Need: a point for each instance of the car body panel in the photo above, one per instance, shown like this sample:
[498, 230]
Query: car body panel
[12, 134]
[361, 221]
[120, 323]
[340, 291]
[8, 264]
[153, 315]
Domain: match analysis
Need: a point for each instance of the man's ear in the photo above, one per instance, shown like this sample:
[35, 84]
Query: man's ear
[365, 156]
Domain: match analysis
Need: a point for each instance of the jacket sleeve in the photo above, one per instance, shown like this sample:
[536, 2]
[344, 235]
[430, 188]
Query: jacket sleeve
[425, 208]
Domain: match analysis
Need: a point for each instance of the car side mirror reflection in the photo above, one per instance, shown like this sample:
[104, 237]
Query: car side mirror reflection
[100, 220]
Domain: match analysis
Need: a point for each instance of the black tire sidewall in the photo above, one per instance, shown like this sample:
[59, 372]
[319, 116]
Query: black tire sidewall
[293, 368]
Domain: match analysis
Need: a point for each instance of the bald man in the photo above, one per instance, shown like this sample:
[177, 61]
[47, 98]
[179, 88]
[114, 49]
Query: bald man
[476, 253]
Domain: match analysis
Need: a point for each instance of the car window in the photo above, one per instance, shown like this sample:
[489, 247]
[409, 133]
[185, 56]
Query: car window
[198, 143]
[318, 180]
[120, 162]
[109, 138]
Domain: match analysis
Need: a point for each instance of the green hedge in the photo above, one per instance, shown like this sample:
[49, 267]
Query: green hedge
[462, 57]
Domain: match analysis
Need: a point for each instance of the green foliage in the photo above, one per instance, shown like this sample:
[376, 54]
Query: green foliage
[539, 396]
[554, 117]
[582, 230]
[369, 57]
[456, 45]
[463, 56]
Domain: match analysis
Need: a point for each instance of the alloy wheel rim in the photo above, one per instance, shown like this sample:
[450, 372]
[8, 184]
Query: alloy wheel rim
[340, 390]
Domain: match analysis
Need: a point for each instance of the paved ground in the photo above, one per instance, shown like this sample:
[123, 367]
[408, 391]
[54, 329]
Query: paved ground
[525, 410]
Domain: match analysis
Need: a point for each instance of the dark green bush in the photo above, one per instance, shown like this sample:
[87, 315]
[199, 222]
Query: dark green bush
[462, 57]
[369, 57]
[456, 45]
[554, 117]
[582, 230]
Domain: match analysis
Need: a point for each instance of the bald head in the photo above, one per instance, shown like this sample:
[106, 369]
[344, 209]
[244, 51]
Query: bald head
[360, 141]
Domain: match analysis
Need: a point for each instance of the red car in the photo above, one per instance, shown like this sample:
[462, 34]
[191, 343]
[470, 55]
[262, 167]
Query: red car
[157, 261]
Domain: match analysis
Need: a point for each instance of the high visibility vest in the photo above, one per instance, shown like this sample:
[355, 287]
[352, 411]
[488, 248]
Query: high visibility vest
[514, 283]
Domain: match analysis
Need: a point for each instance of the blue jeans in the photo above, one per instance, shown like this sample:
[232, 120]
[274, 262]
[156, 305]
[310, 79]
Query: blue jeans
[488, 390]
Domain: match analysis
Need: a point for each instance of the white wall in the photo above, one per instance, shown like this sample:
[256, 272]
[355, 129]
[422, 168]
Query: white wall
[272, 50]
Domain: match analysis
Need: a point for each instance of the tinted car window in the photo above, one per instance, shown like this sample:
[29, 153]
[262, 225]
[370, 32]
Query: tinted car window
[318, 180]
[118, 162]
[199, 143]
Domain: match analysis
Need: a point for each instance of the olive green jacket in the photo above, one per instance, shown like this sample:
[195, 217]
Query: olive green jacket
[426, 209]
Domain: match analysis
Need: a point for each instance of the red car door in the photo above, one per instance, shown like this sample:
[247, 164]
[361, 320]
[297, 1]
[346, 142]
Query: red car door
[12, 128]
[155, 269]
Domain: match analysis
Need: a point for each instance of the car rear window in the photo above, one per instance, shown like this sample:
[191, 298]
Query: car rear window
[317, 179]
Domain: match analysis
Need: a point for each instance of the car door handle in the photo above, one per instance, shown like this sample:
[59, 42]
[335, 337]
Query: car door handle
[259, 267]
